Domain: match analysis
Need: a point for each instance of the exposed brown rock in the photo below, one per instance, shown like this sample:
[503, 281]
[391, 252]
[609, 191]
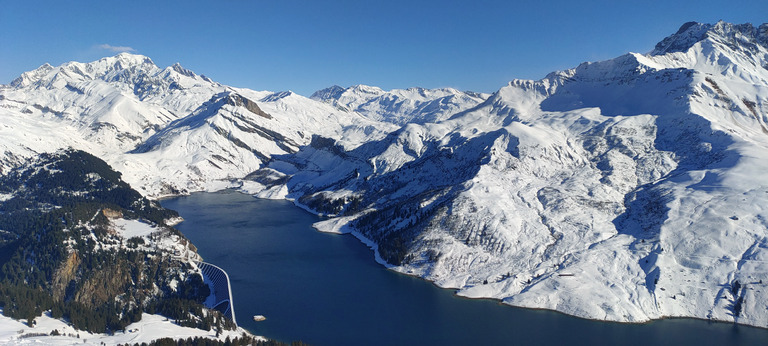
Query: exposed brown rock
[112, 214]
[64, 275]
[237, 100]
[103, 286]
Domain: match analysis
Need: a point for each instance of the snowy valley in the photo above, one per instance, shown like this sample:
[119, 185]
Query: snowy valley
[626, 190]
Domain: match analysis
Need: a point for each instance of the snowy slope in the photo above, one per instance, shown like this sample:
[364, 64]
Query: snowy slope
[233, 134]
[105, 107]
[100, 243]
[169, 131]
[626, 190]
[400, 106]
[114, 102]
[150, 328]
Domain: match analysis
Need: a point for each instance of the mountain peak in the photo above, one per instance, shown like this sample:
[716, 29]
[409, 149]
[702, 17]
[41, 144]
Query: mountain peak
[26, 78]
[183, 71]
[366, 89]
[122, 61]
[332, 92]
[131, 59]
[731, 34]
[136, 72]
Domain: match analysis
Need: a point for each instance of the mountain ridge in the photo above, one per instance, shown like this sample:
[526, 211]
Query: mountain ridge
[400, 106]
[627, 189]
[587, 192]
[693, 32]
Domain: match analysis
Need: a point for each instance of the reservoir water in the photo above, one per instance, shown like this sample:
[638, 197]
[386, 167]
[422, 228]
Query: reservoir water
[326, 289]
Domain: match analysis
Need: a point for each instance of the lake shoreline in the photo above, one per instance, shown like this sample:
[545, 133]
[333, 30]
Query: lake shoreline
[329, 226]
[269, 255]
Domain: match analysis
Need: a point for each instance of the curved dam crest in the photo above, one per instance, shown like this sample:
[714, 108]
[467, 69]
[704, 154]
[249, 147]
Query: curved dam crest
[221, 290]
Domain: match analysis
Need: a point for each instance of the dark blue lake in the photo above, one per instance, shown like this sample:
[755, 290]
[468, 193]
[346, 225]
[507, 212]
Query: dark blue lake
[326, 289]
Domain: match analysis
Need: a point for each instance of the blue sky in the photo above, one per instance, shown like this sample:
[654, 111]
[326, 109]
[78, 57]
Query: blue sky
[308, 45]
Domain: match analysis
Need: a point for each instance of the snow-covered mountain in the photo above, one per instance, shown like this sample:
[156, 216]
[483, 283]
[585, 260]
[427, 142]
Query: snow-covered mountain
[115, 102]
[233, 134]
[400, 106]
[626, 190]
[168, 130]
[105, 107]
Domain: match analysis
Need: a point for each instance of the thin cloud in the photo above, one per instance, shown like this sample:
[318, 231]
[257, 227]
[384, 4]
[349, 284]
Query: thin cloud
[116, 49]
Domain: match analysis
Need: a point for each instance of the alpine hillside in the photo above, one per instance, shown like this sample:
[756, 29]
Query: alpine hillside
[78, 242]
[168, 130]
[626, 190]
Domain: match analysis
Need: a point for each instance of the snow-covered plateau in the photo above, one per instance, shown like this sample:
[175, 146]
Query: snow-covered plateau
[625, 190]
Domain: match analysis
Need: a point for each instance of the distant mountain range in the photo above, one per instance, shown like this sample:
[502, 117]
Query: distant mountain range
[413, 105]
[626, 190]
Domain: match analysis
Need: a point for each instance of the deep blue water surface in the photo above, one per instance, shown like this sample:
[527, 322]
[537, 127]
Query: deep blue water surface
[326, 289]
